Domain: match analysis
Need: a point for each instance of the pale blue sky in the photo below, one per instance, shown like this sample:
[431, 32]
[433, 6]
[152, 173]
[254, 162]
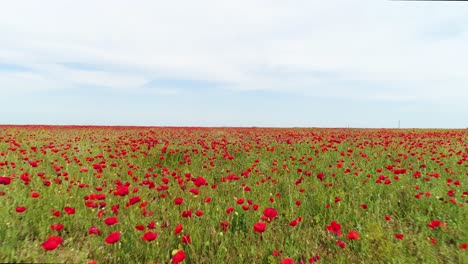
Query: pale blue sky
[234, 63]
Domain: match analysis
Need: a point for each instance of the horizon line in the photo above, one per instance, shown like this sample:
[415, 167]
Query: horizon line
[255, 127]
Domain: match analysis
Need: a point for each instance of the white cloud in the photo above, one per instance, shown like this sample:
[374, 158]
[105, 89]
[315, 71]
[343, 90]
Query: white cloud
[391, 46]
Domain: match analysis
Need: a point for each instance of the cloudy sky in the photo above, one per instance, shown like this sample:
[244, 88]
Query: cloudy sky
[234, 63]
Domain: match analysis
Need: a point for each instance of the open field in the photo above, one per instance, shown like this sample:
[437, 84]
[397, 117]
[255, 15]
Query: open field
[232, 195]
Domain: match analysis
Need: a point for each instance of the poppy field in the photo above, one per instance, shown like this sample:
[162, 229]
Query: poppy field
[73, 194]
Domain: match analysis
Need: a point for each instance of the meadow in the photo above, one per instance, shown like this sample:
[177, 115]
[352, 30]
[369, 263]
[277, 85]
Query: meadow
[74, 194]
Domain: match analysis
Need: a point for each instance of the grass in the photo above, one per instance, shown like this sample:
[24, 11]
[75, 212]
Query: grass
[270, 167]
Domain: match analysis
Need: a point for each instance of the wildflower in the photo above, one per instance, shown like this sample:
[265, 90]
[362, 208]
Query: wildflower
[5, 180]
[341, 243]
[140, 227]
[353, 235]
[260, 227]
[111, 220]
[113, 238]
[178, 229]
[435, 223]
[224, 225]
[178, 257]
[69, 210]
[229, 210]
[287, 261]
[186, 239]
[56, 227]
[178, 201]
[52, 242]
[334, 227]
[20, 209]
[270, 213]
[94, 231]
[149, 236]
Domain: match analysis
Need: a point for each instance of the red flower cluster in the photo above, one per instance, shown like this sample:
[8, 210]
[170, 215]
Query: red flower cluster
[334, 227]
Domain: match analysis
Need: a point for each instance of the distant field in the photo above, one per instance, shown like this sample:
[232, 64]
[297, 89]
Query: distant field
[232, 195]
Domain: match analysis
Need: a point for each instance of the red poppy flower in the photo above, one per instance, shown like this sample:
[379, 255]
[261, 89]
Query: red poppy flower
[463, 246]
[94, 231]
[56, 227]
[270, 213]
[186, 239]
[353, 235]
[287, 261]
[113, 238]
[57, 168]
[20, 209]
[114, 208]
[178, 201]
[200, 181]
[224, 226]
[296, 221]
[91, 204]
[149, 236]
[314, 259]
[69, 210]
[122, 191]
[111, 220]
[5, 180]
[194, 191]
[151, 225]
[35, 195]
[178, 257]
[133, 200]
[341, 243]
[187, 214]
[334, 227]
[52, 243]
[399, 236]
[178, 229]
[260, 227]
[435, 223]
[229, 210]
[277, 253]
